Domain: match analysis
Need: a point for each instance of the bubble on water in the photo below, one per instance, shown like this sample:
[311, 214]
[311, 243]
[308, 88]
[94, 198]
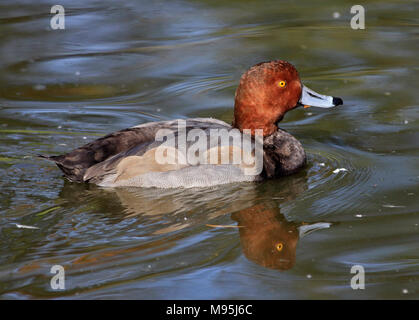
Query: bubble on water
[309, 276]
[358, 215]
[84, 138]
[392, 206]
[39, 87]
[406, 121]
[77, 73]
[405, 291]
[22, 226]
[336, 15]
[339, 170]
[387, 93]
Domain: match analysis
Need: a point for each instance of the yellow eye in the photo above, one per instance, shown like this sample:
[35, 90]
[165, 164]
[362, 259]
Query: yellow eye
[282, 83]
[279, 246]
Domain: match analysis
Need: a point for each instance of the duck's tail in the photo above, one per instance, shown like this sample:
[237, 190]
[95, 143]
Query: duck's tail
[70, 172]
[45, 156]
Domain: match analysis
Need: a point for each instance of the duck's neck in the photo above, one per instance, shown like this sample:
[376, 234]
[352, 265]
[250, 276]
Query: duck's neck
[247, 117]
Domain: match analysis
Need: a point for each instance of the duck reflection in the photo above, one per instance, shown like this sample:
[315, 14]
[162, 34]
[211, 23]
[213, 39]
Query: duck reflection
[267, 237]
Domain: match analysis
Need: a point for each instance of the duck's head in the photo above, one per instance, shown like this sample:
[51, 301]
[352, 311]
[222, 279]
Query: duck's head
[267, 91]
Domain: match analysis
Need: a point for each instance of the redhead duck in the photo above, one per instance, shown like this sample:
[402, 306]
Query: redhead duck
[158, 154]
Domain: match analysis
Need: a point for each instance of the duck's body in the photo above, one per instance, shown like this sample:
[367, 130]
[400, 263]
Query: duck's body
[132, 157]
[127, 158]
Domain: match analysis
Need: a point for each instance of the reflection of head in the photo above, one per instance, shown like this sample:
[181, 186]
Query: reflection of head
[267, 238]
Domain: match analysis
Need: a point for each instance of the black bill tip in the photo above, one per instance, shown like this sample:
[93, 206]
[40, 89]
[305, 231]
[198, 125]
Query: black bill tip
[337, 101]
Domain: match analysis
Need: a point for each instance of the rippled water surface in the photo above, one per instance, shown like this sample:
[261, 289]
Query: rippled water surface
[123, 63]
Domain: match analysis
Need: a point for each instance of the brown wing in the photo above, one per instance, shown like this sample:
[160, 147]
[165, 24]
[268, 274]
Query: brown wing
[75, 163]
[119, 144]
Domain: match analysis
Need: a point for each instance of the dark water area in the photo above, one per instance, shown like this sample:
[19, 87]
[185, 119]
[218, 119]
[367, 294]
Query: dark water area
[119, 64]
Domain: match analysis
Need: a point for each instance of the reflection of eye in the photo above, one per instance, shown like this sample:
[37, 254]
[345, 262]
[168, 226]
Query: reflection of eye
[282, 83]
[279, 246]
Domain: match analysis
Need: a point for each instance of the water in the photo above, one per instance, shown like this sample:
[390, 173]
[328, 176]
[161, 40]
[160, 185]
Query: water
[121, 64]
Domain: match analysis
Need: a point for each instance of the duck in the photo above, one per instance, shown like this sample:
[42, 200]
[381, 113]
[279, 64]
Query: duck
[184, 153]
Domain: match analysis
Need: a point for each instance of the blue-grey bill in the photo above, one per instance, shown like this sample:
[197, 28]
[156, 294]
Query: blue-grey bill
[312, 98]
